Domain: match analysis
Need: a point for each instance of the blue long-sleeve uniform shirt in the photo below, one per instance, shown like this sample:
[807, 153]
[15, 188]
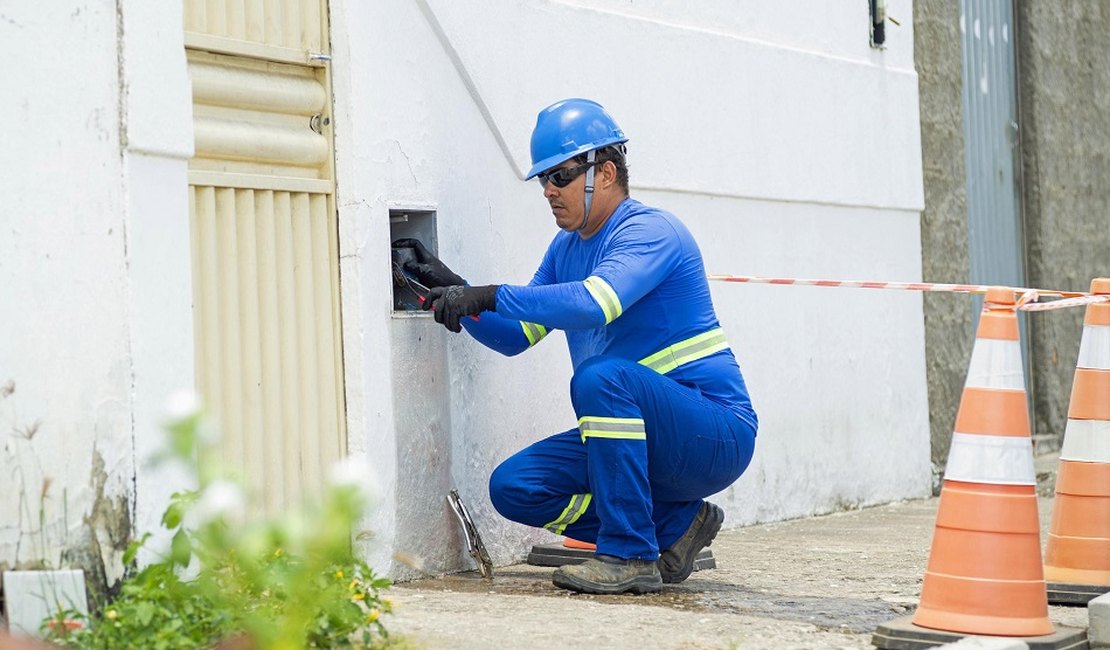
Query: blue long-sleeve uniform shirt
[635, 288]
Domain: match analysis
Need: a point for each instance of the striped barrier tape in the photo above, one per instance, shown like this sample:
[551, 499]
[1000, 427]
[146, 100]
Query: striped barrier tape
[1078, 301]
[1027, 301]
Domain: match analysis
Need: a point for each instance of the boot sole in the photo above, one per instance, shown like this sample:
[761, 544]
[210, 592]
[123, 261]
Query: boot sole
[637, 585]
[704, 539]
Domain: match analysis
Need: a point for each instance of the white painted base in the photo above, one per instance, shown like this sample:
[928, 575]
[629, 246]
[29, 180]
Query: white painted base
[31, 596]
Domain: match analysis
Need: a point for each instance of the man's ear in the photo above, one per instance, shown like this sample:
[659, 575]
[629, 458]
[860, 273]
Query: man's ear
[608, 174]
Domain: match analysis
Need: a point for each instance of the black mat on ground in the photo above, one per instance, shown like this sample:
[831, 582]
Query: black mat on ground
[902, 634]
[1060, 593]
[556, 554]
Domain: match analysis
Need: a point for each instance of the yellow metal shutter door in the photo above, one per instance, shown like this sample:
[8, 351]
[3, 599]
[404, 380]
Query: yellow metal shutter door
[265, 240]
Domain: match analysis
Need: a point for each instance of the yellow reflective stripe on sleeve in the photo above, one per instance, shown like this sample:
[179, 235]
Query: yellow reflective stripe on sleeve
[577, 506]
[605, 296]
[692, 349]
[534, 332]
[602, 427]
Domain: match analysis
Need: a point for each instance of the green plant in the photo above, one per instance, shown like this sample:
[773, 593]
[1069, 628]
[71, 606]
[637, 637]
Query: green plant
[288, 582]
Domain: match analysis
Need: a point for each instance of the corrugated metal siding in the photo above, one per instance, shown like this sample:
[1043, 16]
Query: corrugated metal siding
[265, 241]
[990, 136]
[279, 30]
[268, 346]
[256, 117]
[995, 235]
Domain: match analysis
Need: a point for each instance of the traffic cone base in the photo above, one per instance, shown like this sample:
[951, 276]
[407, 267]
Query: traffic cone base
[558, 554]
[902, 634]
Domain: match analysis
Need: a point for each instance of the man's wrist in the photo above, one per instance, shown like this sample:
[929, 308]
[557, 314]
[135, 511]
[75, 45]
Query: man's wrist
[490, 296]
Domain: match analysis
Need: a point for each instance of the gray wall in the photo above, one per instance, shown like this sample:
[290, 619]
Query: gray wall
[944, 249]
[1064, 90]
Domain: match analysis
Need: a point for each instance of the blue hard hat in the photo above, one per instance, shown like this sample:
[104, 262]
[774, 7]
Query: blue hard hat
[568, 128]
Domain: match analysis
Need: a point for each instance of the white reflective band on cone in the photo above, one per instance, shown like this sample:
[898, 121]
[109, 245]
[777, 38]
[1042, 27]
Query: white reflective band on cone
[996, 364]
[1094, 347]
[1087, 441]
[1001, 460]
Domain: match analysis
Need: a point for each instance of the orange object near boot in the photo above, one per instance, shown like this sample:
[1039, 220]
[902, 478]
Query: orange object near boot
[1078, 550]
[574, 543]
[984, 574]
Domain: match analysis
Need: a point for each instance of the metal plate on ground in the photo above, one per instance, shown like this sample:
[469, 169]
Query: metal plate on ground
[555, 554]
[1060, 593]
[902, 634]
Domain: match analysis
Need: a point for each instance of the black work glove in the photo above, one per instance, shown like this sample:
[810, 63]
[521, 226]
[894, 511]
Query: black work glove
[427, 268]
[449, 304]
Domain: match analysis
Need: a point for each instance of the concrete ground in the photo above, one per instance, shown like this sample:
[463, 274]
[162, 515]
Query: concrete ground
[815, 583]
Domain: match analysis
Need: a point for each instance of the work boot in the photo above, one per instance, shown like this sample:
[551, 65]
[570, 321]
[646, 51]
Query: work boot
[606, 574]
[676, 563]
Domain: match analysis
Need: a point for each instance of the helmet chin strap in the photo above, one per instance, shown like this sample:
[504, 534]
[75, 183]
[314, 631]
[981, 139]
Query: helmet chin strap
[589, 196]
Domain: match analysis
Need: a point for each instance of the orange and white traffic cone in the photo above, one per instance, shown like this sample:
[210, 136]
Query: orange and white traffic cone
[1078, 551]
[984, 574]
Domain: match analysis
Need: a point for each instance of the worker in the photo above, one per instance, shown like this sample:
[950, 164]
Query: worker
[664, 417]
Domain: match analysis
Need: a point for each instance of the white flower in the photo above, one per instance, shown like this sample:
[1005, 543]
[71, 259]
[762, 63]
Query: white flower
[182, 405]
[353, 472]
[220, 500]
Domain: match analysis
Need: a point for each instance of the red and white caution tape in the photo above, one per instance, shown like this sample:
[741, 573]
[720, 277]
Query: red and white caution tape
[1078, 301]
[1027, 301]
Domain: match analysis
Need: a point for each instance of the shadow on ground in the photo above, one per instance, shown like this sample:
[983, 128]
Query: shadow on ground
[699, 594]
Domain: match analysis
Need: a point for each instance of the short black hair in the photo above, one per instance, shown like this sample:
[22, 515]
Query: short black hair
[614, 153]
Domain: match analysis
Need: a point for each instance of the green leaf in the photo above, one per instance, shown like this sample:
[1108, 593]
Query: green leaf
[172, 517]
[181, 549]
[144, 612]
[133, 549]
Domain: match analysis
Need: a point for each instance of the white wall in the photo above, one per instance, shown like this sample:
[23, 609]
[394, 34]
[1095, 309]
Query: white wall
[787, 145]
[158, 128]
[96, 327]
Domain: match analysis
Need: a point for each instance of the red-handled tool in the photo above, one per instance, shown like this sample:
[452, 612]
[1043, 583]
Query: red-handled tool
[403, 279]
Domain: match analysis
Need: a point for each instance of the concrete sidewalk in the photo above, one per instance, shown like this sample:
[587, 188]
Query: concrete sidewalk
[820, 582]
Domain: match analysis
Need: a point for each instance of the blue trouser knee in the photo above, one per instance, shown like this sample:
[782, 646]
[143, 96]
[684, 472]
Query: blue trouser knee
[632, 476]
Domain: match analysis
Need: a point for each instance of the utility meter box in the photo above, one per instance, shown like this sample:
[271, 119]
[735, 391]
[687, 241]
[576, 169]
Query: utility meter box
[406, 223]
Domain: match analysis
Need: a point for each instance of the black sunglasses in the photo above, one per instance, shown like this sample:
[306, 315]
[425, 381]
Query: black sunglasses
[565, 175]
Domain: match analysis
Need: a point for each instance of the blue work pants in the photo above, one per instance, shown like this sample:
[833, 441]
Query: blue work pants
[631, 493]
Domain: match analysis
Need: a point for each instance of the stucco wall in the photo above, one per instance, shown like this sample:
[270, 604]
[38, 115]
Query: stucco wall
[786, 144]
[62, 252]
[94, 259]
[944, 248]
[1064, 89]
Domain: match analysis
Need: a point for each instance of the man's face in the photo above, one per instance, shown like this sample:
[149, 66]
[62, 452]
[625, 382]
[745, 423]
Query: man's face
[567, 203]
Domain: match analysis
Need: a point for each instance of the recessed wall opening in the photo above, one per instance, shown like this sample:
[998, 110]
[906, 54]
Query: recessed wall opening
[417, 224]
